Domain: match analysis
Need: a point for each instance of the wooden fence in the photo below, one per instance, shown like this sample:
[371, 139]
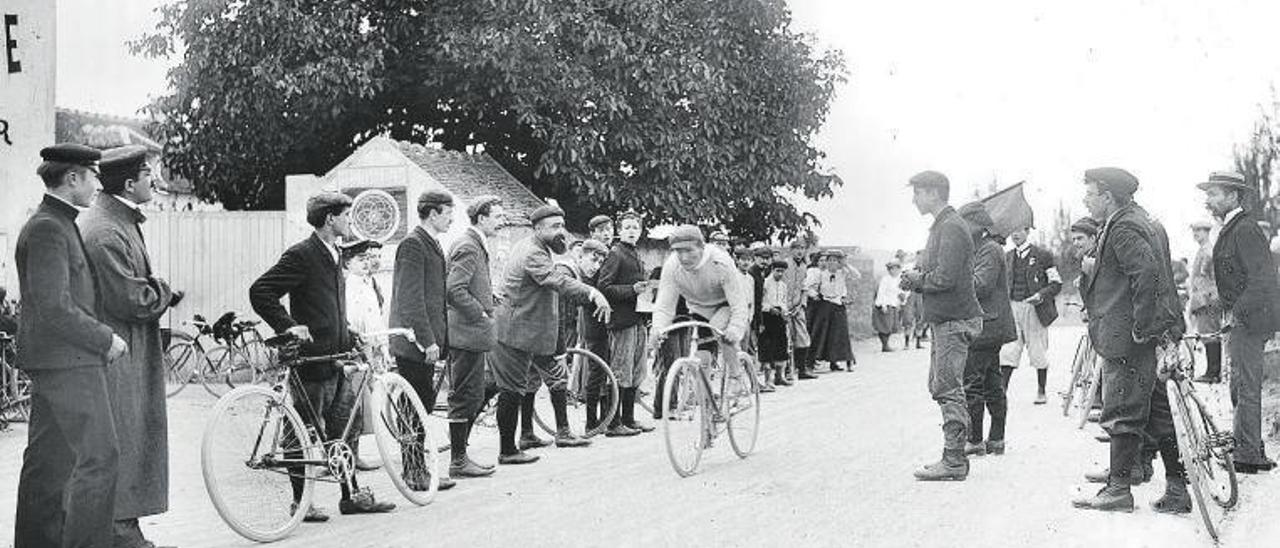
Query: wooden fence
[214, 256]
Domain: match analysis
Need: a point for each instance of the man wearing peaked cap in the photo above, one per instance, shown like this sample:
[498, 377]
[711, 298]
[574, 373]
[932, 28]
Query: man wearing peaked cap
[944, 278]
[1245, 275]
[1133, 304]
[66, 489]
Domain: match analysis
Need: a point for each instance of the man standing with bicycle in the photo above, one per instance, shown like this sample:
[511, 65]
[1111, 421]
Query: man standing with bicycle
[310, 275]
[944, 278]
[1133, 306]
[1245, 273]
[131, 300]
[526, 328]
[66, 490]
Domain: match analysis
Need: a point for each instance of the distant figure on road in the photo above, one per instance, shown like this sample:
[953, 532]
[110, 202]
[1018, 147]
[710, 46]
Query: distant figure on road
[1203, 306]
[944, 278]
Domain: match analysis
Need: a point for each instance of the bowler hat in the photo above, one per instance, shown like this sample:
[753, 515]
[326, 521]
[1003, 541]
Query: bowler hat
[1225, 178]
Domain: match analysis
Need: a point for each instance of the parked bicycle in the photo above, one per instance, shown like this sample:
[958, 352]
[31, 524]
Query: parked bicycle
[256, 445]
[1086, 382]
[1206, 450]
[236, 355]
[15, 386]
[710, 389]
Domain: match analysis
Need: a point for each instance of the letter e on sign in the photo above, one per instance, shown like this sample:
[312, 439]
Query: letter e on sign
[11, 21]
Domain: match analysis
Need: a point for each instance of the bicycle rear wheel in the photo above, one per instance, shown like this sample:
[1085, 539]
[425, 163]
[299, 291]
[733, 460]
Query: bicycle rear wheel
[180, 362]
[1189, 444]
[404, 440]
[684, 420]
[742, 405]
[587, 372]
[251, 428]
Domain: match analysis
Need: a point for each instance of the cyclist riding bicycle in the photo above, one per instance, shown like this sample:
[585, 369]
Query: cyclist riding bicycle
[708, 280]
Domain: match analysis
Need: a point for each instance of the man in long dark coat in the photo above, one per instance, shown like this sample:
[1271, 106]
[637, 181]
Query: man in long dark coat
[1245, 274]
[131, 299]
[66, 491]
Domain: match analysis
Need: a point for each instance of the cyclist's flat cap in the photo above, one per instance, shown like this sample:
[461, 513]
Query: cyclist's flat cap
[1227, 179]
[1114, 179]
[480, 203]
[929, 179]
[594, 246]
[597, 221]
[976, 214]
[325, 200]
[71, 153]
[1086, 225]
[545, 211]
[684, 234]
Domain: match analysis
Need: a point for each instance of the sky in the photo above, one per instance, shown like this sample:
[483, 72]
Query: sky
[982, 90]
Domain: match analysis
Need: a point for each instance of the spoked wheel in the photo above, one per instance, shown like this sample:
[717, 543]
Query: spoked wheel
[1213, 456]
[1091, 391]
[489, 415]
[684, 417]
[180, 362]
[742, 405]
[235, 369]
[1078, 369]
[1190, 444]
[404, 440]
[262, 361]
[587, 374]
[251, 429]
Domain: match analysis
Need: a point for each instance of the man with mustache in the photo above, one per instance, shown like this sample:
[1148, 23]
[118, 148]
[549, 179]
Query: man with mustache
[527, 327]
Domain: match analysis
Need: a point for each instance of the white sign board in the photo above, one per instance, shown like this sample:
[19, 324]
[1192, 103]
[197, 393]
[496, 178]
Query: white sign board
[27, 62]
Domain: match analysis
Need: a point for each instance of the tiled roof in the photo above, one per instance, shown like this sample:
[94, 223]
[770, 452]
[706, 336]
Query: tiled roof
[469, 176]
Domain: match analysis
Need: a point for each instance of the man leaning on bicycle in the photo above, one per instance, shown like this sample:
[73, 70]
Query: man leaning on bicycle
[708, 281]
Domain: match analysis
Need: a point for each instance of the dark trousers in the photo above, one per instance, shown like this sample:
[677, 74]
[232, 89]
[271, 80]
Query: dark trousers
[66, 491]
[466, 384]
[1245, 349]
[984, 389]
[1128, 383]
[319, 403]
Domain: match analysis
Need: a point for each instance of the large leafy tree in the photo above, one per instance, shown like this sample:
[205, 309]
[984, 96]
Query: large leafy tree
[687, 110]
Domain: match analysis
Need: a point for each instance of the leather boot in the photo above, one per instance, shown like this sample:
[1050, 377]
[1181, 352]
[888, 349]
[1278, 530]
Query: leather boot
[976, 449]
[1112, 498]
[1175, 499]
[953, 466]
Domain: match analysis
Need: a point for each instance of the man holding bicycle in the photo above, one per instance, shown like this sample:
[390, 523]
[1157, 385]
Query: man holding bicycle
[708, 280]
[1249, 292]
[309, 273]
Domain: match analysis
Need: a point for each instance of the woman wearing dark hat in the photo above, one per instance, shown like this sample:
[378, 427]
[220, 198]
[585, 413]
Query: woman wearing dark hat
[888, 305]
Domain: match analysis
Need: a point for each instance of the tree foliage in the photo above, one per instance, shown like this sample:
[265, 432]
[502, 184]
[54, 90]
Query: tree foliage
[1258, 158]
[686, 110]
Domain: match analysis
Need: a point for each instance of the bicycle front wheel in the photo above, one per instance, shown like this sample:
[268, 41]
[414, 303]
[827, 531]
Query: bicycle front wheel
[404, 440]
[588, 374]
[253, 430]
[742, 405]
[684, 420]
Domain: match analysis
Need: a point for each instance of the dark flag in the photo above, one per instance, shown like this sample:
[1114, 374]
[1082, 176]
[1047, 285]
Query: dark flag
[1009, 209]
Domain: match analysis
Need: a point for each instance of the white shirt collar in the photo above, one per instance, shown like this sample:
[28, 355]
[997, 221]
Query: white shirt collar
[1231, 215]
[127, 202]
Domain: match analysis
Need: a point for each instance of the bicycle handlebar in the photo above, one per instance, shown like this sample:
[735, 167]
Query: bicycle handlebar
[690, 324]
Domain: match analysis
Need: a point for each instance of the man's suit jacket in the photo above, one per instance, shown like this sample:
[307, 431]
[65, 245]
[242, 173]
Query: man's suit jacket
[1129, 291]
[307, 273]
[1042, 259]
[527, 317]
[58, 328]
[991, 287]
[418, 296]
[1245, 274]
[617, 278]
[470, 294]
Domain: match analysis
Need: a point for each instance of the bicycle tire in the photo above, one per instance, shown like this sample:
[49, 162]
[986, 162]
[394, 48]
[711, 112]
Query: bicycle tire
[222, 455]
[262, 360]
[684, 403]
[1184, 431]
[234, 369]
[1095, 381]
[404, 440]
[180, 360]
[1077, 370]
[576, 394]
[743, 422]
[1215, 463]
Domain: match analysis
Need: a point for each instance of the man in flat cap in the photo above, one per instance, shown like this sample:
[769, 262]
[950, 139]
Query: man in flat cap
[579, 328]
[983, 381]
[601, 229]
[470, 325]
[1245, 274]
[1084, 239]
[944, 278]
[1203, 305]
[714, 292]
[66, 490]
[1034, 283]
[309, 273]
[623, 278]
[132, 299]
[1133, 306]
[797, 310]
[527, 325]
